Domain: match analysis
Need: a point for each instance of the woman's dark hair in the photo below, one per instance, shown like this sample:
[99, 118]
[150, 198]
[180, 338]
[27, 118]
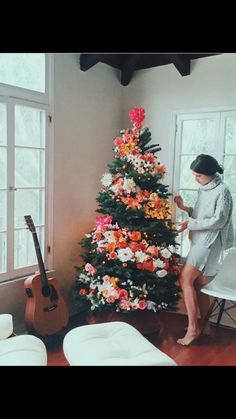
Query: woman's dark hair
[206, 165]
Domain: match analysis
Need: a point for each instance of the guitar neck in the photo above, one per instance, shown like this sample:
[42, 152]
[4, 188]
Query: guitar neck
[40, 260]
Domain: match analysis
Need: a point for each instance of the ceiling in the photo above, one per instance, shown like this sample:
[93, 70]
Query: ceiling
[129, 63]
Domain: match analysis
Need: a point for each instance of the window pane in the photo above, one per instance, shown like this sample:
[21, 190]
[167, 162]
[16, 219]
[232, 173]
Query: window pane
[3, 252]
[234, 203]
[3, 125]
[230, 136]
[198, 136]
[29, 168]
[24, 254]
[3, 167]
[230, 172]
[29, 202]
[29, 127]
[189, 198]
[3, 211]
[23, 70]
[186, 177]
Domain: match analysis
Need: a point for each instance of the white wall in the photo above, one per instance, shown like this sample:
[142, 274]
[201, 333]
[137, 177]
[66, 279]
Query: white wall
[87, 118]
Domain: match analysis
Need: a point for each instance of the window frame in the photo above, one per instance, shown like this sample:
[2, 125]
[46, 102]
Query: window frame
[11, 96]
[21, 92]
[221, 113]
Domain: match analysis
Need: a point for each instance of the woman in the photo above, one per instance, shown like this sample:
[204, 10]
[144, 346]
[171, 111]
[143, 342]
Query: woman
[211, 230]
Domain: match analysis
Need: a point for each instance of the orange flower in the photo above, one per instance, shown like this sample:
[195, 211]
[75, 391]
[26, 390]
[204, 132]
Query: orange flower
[118, 234]
[122, 244]
[135, 236]
[111, 247]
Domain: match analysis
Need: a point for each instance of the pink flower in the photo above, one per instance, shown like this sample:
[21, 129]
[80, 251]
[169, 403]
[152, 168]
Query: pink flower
[123, 294]
[112, 256]
[161, 168]
[118, 141]
[142, 304]
[110, 299]
[153, 250]
[90, 268]
[124, 304]
[103, 220]
[137, 115]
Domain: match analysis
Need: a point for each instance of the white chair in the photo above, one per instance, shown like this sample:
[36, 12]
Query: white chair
[223, 287]
[27, 350]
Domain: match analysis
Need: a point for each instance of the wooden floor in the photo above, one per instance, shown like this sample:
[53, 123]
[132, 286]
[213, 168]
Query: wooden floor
[219, 349]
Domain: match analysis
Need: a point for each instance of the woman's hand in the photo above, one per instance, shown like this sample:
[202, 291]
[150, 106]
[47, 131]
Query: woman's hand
[179, 202]
[183, 226]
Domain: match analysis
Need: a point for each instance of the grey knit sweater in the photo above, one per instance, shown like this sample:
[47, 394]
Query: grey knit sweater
[212, 214]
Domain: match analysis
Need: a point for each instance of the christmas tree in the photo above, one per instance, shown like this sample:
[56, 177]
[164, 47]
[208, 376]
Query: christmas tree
[130, 256]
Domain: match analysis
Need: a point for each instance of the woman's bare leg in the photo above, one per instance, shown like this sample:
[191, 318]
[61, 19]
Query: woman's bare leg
[203, 302]
[187, 277]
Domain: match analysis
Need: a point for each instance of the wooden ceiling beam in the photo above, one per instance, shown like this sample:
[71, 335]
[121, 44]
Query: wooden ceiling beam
[182, 63]
[89, 60]
[130, 65]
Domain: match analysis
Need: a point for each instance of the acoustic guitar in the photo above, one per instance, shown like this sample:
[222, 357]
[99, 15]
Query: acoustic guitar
[46, 312]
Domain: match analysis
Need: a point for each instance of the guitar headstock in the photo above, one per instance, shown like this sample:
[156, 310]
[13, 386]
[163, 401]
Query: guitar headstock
[30, 224]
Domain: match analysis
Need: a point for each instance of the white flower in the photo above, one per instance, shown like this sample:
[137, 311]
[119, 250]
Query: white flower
[162, 273]
[140, 256]
[106, 179]
[125, 254]
[109, 236]
[158, 263]
[172, 248]
[165, 253]
[151, 305]
[129, 185]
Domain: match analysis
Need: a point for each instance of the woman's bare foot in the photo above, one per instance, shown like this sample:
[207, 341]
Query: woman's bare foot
[190, 337]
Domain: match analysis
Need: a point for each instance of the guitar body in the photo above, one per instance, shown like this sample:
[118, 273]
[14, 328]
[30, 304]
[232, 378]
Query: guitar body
[46, 312]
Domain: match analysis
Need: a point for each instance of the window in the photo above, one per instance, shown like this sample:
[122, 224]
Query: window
[23, 70]
[209, 133]
[24, 161]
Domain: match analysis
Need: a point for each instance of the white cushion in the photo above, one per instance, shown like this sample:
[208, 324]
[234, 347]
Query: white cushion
[112, 343]
[6, 326]
[23, 350]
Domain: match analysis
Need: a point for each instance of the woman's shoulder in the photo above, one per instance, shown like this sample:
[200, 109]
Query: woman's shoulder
[224, 193]
[224, 188]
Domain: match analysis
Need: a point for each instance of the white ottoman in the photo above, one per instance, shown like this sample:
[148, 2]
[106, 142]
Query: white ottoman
[112, 343]
[19, 350]
[23, 350]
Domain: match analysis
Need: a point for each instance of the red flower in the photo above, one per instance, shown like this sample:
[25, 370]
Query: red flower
[137, 115]
[82, 291]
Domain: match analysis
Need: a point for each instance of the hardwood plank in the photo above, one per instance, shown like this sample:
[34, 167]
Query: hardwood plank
[219, 349]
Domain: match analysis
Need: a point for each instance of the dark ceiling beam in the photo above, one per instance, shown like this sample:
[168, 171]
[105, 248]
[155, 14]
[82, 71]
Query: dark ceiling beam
[130, 65]
[182, 63]
[89, 60]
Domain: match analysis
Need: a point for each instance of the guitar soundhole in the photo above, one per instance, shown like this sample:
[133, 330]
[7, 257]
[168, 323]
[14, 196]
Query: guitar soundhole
[50, 291]
[46, 291]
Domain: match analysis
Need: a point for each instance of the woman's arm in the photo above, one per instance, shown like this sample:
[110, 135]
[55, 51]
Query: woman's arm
[223, 210]
[180, 204]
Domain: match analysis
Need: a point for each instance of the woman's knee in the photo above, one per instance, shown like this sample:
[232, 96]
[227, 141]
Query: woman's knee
[188, 276]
